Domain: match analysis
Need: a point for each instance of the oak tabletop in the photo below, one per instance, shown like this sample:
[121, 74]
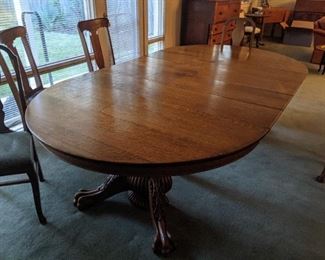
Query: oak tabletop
[178, 106]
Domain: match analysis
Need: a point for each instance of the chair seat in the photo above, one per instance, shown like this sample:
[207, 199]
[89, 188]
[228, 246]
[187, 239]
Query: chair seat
[15, 153]
[249, 29]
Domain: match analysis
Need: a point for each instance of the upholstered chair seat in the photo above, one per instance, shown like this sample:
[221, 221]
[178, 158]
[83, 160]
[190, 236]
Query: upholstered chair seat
[249, 29]
[15, 153]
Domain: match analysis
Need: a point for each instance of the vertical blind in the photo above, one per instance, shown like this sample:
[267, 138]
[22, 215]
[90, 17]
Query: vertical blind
[156, 25]
[51, 26]
[52, 32]
[125, 22]
[124, 19]
[156, 18]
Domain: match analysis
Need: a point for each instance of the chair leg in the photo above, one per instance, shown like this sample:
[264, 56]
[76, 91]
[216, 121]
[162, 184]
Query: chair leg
[257, 41]
[248, 40]
[272, 30]
[39, 170]
[36, 194]
[38, 165]
[321, 178]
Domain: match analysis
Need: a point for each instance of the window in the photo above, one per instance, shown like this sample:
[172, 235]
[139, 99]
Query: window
[52, 32]
[124, 20]
[155, 18]
[156, 22]
[51, 27]
[55, 43]
[124, 16]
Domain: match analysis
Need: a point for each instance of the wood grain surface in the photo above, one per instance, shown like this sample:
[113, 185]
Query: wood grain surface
[189, 106]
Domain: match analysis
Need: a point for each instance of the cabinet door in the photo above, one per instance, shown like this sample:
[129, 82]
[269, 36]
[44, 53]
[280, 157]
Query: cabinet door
[197, 15]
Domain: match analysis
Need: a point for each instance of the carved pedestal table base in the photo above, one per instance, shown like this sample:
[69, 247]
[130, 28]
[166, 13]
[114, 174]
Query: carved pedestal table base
[143, 193]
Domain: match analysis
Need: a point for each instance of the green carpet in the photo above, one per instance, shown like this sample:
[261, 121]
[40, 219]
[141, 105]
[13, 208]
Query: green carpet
[264, 206]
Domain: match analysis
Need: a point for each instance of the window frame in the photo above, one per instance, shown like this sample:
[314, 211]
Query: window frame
[150, 40]
[95, 9]
[64, 63]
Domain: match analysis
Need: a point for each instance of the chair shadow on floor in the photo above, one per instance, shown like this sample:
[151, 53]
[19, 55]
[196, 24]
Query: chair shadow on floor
[178, 221]
[253, 202]
[119, 209]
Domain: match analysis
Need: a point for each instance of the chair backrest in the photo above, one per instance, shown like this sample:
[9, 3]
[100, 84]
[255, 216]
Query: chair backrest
[7, 38]
[238, 32]
[16, 89]
[92, 26]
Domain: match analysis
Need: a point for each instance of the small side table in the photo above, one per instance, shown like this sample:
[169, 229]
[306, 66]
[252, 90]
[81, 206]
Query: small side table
[322, 62]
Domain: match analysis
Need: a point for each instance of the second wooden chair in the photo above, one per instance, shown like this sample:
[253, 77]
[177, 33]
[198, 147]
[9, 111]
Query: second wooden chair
[93, 26]
[238, 33]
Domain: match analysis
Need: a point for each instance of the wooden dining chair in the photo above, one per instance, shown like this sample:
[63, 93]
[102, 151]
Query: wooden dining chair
[8, 38]
[321, 178]
[238, 33]
[17, 149]
[92, 26]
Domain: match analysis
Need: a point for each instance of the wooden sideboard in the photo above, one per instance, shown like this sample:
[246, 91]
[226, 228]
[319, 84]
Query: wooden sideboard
[203, 20]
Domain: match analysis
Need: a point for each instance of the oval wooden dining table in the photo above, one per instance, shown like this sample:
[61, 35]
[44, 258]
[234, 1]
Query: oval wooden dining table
[179, 111]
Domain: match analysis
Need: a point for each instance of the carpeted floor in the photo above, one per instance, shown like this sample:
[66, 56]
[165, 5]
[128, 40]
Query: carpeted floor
[264, 206]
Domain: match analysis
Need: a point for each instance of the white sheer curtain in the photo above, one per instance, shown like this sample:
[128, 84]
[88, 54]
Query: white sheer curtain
[156, 25]
[53, 36]
[52, 31]
[125, 33]
[156, 9]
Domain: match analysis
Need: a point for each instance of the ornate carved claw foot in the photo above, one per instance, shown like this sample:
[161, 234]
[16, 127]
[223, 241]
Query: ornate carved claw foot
[139, 192]
[321, 178]
[163, 245]
[143, 192]
[114, 184]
